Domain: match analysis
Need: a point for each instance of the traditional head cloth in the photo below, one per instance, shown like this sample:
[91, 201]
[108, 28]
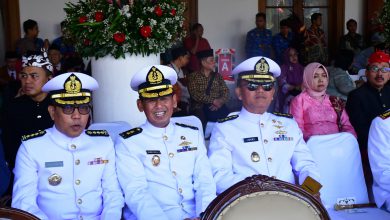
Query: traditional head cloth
[154, 81]
[38, 61]
[257, 70]
[379, 57]
[71, 88]
[308, 78]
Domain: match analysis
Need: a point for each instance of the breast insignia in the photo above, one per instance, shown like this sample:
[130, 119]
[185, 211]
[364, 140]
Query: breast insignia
[187, 126]
[33, 135]
[229, 118]
[385, 115]
[130, 133]
[97, 133]
[283, 114]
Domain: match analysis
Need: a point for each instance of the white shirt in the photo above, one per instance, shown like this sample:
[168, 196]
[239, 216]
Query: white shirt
[89, 188]
[179, 186]
[276, 141]
[379, 157]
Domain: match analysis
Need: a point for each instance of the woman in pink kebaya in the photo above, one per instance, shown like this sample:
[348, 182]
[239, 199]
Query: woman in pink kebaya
[316, 112]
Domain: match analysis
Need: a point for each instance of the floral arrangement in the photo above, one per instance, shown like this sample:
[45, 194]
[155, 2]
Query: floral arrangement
[384, 19]
[116, 27]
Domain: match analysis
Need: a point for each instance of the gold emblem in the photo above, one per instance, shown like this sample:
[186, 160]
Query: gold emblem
[278, 126]
[72, 84]
[54, 179]
[281, 132]
[155, 76]
[255, 157]
[155, 160]
[262, 66]
[184, 143]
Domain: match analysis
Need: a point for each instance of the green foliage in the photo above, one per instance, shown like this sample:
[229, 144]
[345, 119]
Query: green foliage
[140, 27]
[384, 19]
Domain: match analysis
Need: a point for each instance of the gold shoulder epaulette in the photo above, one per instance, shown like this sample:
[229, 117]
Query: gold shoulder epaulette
[97, 133]
[229, 118]
[187, 126]
[283, 114]
[385, 115]
[33, 135]
[130, 132]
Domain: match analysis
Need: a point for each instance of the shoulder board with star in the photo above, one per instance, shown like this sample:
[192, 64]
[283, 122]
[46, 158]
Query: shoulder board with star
[187, 126]
[385, 115]
[33, 135]
[130, 132]
[229, 118]
[97, 133]
[283, 114]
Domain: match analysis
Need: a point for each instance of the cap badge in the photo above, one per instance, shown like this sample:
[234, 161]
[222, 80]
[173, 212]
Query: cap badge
[262, 66]
[72, 84]
[54, 179]
[154, 76]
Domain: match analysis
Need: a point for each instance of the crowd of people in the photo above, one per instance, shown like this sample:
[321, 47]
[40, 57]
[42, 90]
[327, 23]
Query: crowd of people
[163, 169]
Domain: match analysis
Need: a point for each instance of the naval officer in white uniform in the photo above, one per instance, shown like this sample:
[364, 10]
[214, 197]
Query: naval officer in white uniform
[379, 156]
[255, 141]
[162, 165]
[67, 172]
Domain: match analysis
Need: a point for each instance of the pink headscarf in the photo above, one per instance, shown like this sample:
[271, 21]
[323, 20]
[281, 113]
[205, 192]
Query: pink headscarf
[308, 78]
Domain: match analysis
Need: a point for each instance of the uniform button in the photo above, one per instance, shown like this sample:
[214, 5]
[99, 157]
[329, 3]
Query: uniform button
[171, 155]
[73, 146]
[39, 116]
[265, 141]
[77, 162]
[180, 190]
[384, 105]
[173, 173]
[269, 159]
[165, 137]
[262, 125]
[77, 182]
[79, 201]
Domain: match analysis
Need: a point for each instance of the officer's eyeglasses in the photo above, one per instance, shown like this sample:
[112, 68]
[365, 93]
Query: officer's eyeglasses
[83, 109]
[377, 69]
[266, 87]
[34, 76]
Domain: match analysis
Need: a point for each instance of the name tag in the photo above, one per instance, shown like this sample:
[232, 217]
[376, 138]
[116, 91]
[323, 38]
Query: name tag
[251, 139]
[54, 164]
[153, 152]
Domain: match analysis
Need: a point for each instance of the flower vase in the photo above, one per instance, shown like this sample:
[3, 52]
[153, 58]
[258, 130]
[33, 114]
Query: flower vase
[115, 100]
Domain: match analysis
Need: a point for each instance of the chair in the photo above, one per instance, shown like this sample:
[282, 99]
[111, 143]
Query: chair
[263, 197]
[338, 159]
[113, 128]
[16, 214]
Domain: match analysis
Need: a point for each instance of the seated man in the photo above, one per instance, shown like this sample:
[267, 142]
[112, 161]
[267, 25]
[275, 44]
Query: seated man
[255, 141]
[67, 172]
[379, 157]
[162, 166]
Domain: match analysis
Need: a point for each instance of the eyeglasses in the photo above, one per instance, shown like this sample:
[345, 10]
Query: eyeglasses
[377, 69]
[69, 109]
[266, 87]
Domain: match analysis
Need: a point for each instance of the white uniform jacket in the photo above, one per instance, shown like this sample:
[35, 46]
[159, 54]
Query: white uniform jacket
[164, 172]
[247, 144]
[58, 177]
[379, 157]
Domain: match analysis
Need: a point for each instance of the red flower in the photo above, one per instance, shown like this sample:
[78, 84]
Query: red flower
[158, 11]
[146, 31]
[87, 42]
[99, 16]
[119, 37]
[83, 19]
[173, 12]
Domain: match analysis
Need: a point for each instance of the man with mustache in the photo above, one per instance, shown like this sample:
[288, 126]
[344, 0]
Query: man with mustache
[255, 141]
[162, 165]
[369, 101]
[28, 112]
[67, 172]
